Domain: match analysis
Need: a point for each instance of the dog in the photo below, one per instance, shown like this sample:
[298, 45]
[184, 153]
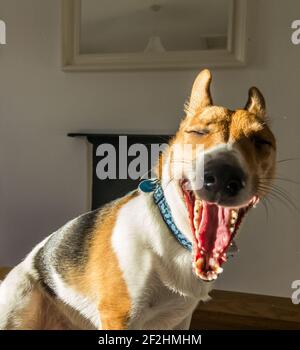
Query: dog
[144, 261]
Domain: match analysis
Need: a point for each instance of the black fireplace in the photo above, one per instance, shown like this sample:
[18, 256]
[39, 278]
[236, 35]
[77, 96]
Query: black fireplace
[105, 190]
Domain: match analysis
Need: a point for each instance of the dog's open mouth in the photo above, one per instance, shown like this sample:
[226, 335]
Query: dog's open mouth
[214, 228]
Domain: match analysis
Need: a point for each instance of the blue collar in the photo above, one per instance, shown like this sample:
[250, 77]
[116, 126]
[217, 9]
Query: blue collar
[153, 185]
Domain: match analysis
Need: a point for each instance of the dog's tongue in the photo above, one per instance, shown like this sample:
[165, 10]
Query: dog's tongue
[213, 236]
[213, 231]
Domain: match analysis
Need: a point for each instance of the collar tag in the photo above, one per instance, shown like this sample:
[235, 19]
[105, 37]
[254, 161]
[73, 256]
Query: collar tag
[153, 185]
[148, 185]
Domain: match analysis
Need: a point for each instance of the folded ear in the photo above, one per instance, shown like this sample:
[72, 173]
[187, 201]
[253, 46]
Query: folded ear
[200, 96]
[256, 103]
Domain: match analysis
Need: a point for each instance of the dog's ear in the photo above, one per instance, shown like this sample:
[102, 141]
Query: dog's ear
[256, 103]
[200, 96]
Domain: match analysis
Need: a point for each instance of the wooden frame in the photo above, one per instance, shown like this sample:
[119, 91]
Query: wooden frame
[73, 60]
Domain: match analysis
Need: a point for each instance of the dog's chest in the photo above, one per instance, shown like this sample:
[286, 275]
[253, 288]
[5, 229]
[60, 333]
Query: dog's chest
[167, 300]
[157, 270]
[163, 310]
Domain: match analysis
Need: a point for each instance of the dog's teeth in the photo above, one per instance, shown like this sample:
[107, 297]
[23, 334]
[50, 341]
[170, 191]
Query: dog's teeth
[219, 269]
[198, 205]
[234, 213]
[201, 274]
[233, 219]
[199, 262]
[223, 257]
[196, 215]
[211, 261]
[214, 276]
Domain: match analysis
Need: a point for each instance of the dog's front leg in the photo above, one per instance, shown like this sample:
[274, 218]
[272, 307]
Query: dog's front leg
[114, 310]
[113, 319]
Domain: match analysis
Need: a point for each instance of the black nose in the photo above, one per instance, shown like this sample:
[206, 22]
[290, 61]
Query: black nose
[223, 180]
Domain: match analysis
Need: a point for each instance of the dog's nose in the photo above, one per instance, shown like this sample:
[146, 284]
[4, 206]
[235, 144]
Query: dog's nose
[222, 180]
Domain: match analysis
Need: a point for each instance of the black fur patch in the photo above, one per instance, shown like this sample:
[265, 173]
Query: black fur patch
[44, 278]
[72, 251]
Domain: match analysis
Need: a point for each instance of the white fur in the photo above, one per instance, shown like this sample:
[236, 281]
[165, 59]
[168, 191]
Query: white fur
[16, 287]
[158, 272]
[157, 269]
[82, 304]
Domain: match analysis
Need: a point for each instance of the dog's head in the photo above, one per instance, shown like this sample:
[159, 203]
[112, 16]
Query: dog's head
[238, 158]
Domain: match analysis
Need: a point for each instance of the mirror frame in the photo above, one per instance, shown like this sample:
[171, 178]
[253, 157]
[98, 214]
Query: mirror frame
[72, 60]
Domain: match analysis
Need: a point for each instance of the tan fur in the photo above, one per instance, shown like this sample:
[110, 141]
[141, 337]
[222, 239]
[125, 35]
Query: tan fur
[102, 279]
[41, 312]
[237, 127]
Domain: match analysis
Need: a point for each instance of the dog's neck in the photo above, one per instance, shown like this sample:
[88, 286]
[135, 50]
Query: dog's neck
[173, 195]
[192, 287]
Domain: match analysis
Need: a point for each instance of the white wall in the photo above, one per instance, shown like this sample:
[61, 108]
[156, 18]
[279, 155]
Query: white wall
[191, 20]
[43, 174]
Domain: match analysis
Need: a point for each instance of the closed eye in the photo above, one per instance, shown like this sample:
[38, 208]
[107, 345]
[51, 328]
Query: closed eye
[259, 141]
[201, 132]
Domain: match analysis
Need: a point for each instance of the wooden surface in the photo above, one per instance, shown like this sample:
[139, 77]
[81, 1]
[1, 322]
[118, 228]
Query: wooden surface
[3, 272]
[233, 310]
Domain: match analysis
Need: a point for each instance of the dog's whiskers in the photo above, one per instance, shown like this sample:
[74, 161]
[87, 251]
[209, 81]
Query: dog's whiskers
[280, 179]
[276, 192]
[287, 160]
